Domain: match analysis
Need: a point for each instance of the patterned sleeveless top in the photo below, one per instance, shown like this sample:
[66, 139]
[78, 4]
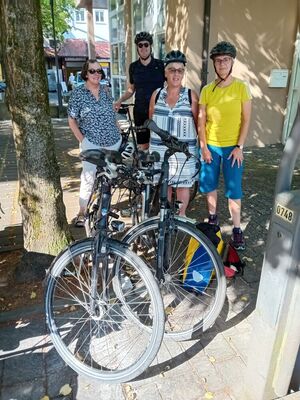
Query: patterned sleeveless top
[179, 122]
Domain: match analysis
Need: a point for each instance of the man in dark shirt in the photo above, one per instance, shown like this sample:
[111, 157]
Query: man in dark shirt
[145, 75]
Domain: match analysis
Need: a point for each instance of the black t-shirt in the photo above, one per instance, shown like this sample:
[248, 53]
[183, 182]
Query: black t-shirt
[146, 79]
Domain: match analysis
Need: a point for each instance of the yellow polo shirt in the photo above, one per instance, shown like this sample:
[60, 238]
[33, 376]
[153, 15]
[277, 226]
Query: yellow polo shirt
[224, 111]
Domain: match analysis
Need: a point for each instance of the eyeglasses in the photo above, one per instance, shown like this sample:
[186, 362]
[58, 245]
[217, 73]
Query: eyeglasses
[174, 70]
[93, 71]
[225, 60]
[140, 45]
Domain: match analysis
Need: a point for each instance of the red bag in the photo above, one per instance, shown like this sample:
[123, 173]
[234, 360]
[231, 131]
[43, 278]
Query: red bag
[233, 265]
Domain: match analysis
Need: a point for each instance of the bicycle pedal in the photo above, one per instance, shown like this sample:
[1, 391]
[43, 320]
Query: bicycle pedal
[118, 226]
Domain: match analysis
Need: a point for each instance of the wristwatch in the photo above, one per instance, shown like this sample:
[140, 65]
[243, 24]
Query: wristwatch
[240, 146]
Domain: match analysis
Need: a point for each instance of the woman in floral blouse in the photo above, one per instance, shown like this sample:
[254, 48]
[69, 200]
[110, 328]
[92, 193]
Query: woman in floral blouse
[92, 120]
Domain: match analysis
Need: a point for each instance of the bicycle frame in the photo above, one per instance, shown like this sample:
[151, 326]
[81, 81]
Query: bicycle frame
[130, 129]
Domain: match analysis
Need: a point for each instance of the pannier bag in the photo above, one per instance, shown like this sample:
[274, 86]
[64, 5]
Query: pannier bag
[198, 268]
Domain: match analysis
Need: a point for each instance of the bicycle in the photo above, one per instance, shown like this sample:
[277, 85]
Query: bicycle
[90, 287]
[147, 199]
[167, 243]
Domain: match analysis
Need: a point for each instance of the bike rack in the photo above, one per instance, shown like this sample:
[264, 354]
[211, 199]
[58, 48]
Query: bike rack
[273, 363]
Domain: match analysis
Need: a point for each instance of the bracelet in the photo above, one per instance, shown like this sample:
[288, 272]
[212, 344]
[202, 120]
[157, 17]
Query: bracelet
[239, 146]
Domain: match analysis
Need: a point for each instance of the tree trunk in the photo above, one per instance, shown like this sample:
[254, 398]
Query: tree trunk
[40, 195]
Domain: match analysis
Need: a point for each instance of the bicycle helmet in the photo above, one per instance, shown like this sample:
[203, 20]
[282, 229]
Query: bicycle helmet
[143, 36]
[128, 151]
[223, 48]
[175, 56]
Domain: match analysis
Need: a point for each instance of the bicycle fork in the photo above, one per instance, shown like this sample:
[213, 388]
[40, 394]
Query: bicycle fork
[100, 258]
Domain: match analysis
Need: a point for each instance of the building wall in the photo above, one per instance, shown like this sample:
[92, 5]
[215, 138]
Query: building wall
[264, 34]
[79, 28]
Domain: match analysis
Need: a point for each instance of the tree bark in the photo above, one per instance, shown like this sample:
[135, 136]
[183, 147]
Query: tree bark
[40, 194]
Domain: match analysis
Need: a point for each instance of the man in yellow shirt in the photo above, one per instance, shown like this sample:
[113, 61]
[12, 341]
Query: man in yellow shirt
[223, 124]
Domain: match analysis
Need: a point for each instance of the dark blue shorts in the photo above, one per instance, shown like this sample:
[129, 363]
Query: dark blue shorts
[210, 173]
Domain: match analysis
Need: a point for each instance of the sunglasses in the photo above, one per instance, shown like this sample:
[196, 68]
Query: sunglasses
[140, 45]
[93, 71]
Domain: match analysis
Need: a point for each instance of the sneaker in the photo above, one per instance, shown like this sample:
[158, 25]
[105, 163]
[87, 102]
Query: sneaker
[213, 219]
[237, 239]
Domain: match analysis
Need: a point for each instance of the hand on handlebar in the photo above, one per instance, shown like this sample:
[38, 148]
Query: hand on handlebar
[117, 106]
[169, 141]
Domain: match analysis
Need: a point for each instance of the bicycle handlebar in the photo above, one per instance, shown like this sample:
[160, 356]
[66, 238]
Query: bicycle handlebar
[169, 141]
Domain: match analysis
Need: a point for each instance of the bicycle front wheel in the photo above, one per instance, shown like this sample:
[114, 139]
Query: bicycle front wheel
[194, 285]
[108, 345]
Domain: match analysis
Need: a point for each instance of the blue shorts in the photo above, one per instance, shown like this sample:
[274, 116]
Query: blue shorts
[210, 173]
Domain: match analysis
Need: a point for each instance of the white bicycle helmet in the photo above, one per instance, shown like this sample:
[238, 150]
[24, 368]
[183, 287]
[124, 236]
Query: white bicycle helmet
[128, 151]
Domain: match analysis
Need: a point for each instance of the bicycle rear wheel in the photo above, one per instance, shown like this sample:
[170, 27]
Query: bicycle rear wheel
[189, 254]
[108, 345]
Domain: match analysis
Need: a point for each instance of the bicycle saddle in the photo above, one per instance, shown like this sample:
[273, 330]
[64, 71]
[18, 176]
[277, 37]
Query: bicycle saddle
[100, 157]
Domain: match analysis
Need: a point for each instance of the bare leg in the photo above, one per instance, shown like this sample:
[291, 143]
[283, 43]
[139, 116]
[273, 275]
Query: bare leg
[143, 147]
[212, 200]
[170, 193]
[82, 211]
[234, 206]
[183, 195]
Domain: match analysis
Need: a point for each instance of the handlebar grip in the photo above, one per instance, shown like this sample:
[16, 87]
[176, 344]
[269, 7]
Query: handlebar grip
[150, 124]
[170, 141]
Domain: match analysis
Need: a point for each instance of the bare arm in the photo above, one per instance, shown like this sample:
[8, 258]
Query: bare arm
[195, 107]
[237, 153]
[129, 92]
[75, 129]
[246, 115]
[152, 103]
[205, 153]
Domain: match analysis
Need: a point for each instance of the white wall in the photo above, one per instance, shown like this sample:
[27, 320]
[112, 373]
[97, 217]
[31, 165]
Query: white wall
[79, 28]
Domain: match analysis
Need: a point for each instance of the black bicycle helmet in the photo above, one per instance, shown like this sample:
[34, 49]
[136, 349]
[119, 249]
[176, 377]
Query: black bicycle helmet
[175, 56]
[223, 48]
[143, 36]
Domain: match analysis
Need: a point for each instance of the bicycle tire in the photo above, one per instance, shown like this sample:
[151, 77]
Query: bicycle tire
[109, 347]
[187, 312]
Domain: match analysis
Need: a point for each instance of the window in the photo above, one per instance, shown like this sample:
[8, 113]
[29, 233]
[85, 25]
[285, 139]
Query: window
[99, 16]
[80, 15]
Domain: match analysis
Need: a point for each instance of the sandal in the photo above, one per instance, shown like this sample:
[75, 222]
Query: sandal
[79, 221]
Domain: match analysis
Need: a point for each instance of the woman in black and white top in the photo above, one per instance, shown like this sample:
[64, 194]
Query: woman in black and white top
[92, 119]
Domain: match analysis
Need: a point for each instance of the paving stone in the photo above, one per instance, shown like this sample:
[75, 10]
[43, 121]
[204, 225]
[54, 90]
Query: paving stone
[62, 377]
[144, 392]
[219, 349]
[33, 389]
[232, 373]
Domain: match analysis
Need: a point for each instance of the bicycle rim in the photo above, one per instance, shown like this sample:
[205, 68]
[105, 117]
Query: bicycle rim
[109, 346]
[187, 309]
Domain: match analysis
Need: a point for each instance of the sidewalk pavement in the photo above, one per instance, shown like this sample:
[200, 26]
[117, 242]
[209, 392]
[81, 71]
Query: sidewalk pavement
[209, 368]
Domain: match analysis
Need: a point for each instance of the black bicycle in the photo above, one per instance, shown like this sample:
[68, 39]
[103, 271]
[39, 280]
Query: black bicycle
[144, 202]
[90, 287]
[186, 264]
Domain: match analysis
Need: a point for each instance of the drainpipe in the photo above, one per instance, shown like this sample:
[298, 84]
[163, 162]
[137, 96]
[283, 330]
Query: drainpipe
[205, 43]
